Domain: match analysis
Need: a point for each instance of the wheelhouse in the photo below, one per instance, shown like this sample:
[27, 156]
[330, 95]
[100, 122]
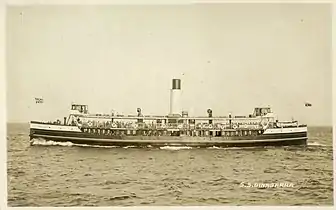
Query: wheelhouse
[83, 109]
[261, 111]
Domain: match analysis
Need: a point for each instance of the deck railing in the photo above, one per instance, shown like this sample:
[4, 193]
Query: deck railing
[178, 126]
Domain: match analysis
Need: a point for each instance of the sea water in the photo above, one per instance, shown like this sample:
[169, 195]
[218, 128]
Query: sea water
[65, 174]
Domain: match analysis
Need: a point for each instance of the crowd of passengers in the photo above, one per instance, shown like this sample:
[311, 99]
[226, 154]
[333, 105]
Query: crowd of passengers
[153, 125]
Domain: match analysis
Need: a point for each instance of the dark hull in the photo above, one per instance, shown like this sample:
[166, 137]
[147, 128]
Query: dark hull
[285, 139]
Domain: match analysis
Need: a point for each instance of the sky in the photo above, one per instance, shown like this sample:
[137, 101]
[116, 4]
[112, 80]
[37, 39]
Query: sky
[230, 58]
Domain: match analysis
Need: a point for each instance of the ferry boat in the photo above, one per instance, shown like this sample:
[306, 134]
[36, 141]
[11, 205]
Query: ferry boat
[261, 128]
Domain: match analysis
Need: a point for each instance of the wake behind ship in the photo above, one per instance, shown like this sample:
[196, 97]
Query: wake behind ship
[261, 128]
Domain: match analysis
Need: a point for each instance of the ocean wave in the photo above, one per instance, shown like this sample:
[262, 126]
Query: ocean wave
[43, 142]
[214, 147]
[174, 148]
[129, 147]
[316, 144]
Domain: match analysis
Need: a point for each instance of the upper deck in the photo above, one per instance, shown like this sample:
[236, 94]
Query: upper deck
[262, 117]
[82, 111]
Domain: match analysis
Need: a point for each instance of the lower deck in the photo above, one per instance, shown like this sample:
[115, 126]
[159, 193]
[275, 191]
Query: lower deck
[168, 135]
[158, 138]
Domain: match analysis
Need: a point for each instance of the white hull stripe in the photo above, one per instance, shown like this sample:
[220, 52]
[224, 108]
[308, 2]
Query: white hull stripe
[285, 130]
[168, 141]
[54, 127]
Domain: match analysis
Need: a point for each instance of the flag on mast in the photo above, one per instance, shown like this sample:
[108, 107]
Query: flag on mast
[39, 100]
[308, 104]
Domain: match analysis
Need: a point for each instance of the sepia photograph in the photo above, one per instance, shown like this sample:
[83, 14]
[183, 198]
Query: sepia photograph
[204, 104]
